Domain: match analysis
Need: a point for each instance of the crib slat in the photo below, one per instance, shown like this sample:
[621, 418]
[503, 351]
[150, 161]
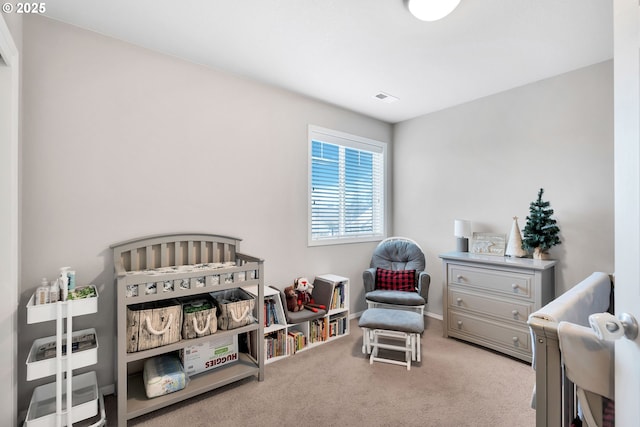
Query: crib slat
[149, 260]
[163, 255]
[176, 254]
[215, 249]
[190, 253]
[134, 260]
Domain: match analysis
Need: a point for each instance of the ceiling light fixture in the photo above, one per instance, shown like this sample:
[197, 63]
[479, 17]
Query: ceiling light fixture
[431, 10]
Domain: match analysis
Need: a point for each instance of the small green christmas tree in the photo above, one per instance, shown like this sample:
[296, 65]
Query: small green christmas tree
[541, 231]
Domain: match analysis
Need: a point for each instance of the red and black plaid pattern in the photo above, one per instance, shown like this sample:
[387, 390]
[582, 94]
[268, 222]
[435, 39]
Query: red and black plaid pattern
[608, 413]
[396, 280]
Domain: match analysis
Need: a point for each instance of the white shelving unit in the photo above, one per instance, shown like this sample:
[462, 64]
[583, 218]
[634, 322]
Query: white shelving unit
[49, 404]
[338, 314]
[278, 326]
[333, 325]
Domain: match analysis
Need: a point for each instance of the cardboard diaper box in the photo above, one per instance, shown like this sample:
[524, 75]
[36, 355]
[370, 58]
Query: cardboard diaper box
[210, 354]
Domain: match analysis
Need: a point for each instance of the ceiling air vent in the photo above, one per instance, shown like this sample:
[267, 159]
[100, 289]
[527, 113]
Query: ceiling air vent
[385, 97]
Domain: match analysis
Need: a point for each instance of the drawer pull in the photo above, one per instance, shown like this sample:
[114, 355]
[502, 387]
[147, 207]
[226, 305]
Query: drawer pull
[515, 313]
[459, 323]
[514, 286]
[459, 301]
[515, 339]
[459, 277]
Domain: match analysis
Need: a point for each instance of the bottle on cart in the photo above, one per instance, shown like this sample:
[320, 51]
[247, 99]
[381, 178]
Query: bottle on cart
[54, 291]
[71, 275]
[63, 283]
[42, 293]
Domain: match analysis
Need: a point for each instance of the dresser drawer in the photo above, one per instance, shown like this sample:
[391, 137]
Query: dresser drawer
[516, 310]
[506, 282]
[488, 332]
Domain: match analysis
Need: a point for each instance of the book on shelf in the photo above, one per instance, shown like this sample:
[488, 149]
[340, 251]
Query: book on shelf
[272, 315]
[275, 344]
[296, 340]
[338, 326]
[318, 330]
[337, 301]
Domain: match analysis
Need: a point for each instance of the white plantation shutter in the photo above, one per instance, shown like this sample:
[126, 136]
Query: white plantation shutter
[346, 188]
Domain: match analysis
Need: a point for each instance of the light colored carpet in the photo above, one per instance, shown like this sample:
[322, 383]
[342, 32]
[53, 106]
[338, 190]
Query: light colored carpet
[456, 384]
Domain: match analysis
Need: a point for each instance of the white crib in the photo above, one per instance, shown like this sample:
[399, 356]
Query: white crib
[554, 393]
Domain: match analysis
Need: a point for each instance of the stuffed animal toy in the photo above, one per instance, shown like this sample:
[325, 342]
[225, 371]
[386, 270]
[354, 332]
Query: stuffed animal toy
[303, 288]
[292, 299]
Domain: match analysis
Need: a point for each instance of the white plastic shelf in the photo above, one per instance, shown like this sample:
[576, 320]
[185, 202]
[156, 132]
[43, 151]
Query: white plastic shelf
[84, 397]
[46, 367]
[45, 312]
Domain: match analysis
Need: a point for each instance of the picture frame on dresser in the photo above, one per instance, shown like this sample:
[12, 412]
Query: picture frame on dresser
[488, 244]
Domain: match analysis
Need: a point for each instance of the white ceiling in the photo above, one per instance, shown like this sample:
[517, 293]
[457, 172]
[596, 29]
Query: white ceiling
[346, 51]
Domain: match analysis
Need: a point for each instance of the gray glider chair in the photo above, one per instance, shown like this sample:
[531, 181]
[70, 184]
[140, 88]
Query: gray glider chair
[391, 264]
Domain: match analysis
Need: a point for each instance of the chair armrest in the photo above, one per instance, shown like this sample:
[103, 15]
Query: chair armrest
[424, 280]
[369, 279]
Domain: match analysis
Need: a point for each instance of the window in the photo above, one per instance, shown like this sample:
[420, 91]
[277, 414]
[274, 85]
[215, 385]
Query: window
[346, 188]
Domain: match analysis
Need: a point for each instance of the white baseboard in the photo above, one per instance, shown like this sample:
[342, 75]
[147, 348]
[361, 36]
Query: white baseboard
[434, 315]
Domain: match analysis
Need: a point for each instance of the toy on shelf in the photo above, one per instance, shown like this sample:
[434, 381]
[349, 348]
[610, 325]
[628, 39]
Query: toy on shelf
[292, 299]
[303, 289]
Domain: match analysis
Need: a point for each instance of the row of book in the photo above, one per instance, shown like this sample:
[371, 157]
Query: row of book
[275, 345]
[280, 344]
[322, 329]
[296, 341]
[338, 296]
[272, 316]
[338, 326]
[318, 330]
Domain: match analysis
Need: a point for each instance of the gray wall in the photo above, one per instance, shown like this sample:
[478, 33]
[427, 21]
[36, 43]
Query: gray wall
[121, 142]
[486, 160]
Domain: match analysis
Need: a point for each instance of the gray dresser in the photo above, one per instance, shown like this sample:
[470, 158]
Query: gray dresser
[487, 299]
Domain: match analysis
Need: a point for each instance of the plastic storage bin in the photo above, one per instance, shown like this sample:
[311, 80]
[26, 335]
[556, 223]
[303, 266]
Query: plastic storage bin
[47, 366]
[84, 397]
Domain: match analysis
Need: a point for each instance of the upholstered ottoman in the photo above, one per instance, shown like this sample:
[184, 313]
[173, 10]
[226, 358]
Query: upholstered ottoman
[399, 325]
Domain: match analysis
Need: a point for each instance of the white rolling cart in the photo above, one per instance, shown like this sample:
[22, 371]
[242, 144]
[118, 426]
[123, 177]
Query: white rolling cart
[49, 404]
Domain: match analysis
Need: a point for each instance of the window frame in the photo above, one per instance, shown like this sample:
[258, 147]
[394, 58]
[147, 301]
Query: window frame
[316, 133]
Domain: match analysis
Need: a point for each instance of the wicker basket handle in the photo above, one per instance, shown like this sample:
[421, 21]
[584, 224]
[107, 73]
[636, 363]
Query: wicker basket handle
[206, 325]
[242, 317]
[165, 329]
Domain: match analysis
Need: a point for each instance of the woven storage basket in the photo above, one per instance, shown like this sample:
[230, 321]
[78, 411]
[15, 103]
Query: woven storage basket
[153, 324]
[235, 308]
[199, 317]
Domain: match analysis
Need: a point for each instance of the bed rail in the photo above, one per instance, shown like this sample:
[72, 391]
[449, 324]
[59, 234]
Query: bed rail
[554, 394]
[173, 250]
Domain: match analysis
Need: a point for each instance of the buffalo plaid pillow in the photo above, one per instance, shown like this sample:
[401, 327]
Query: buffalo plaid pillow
[396, 280]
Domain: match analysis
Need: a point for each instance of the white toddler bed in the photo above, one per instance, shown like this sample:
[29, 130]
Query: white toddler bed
[554, 393]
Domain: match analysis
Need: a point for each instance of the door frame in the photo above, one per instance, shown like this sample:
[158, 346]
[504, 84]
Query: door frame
[9, 245]
[626, 15]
